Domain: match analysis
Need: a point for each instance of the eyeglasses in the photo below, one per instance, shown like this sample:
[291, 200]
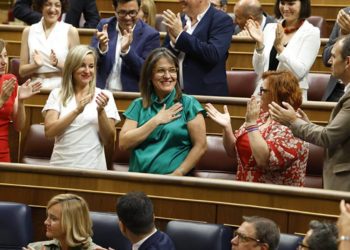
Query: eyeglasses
[244, 238]
[301, 246]
[163, 72]
[262, 90]
[130, 13]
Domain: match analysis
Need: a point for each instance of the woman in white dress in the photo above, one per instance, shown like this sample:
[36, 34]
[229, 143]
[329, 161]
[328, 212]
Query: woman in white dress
[45, 45]
[291, 44]
[80, 116]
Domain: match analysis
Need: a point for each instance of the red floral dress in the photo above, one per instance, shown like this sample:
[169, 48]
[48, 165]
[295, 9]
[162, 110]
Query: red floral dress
[287, 160]
[5, 118]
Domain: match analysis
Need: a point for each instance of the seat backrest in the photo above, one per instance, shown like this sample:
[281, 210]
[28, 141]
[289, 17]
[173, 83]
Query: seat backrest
[159, 25]
[199, 236]
[314, 167]
[289, 241]
[120, 157]
[37, 149]
[317, 86]
[14, 69]
[16, 230]
[215, 163]
[241, 83]
[320, 23]
[106, 231]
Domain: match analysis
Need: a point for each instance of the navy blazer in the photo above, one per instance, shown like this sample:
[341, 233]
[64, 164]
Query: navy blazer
[145, 39]
[204, 66]
[158, 241]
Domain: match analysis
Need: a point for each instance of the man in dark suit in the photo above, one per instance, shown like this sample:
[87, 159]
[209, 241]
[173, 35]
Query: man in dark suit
[335, 137]
[123, 43]
[335, 89]
[249, 9]
[201, 40]
[136, 222]
[23, 11]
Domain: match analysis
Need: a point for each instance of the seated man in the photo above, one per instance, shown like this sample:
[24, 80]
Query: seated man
[123, 43]
[256, 232]
[335, 88]
[249, 9]
[321, 236]
[136, 222]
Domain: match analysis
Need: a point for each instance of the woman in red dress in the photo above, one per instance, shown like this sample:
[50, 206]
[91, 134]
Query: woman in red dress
[11, 102]
[266, 150]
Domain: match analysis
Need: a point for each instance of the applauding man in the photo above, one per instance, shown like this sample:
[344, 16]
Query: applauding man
[123, 43]
[201, 39]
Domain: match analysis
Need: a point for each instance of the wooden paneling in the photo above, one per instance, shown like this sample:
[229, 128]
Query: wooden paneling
[193, 198]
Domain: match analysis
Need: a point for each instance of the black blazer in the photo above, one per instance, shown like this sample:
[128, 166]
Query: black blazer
[23, 11]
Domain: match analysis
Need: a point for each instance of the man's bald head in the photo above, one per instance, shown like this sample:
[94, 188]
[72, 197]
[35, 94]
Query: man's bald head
[247, 9]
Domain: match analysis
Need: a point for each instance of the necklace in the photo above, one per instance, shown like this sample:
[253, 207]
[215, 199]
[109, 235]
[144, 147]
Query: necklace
[288, 30]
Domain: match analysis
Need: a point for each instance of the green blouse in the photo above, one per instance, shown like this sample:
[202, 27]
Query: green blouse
[169, 144]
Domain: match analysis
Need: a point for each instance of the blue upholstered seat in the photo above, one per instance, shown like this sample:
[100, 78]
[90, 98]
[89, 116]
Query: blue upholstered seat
[16, 229]
[106, 231]
[289, 241]
[199, 236]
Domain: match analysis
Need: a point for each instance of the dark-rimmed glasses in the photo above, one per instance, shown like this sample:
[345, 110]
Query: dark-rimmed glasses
[244, 238]
[263, 90]
[130, 13]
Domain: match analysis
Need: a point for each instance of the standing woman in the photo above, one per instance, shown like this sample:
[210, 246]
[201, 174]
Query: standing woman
[164, 129]
[291, 44]
[147, 12]
[11, 102]
[80, 116]
[68, 224]
[45, 44]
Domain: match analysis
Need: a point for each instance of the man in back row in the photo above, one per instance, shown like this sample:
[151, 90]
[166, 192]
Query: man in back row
[249, 9]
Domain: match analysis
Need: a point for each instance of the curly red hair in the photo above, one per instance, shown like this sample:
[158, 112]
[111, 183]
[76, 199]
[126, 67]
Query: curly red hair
[283, 87]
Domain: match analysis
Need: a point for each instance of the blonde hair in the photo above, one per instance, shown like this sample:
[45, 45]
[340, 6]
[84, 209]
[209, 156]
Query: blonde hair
[75, 219]
[2, 44]
[149, 10]
[73, 61]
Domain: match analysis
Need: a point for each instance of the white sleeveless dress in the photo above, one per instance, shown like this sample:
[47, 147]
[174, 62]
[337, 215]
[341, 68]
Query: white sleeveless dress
[57, 41]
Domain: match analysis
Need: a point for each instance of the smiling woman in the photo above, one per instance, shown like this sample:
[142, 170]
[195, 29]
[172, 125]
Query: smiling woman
[80, 116]
[45, 44]
[164, 129]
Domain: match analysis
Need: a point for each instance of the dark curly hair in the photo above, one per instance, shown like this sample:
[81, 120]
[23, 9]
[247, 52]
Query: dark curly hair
[39, 4]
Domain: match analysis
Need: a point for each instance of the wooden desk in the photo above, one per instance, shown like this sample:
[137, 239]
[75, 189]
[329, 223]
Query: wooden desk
[189, 198]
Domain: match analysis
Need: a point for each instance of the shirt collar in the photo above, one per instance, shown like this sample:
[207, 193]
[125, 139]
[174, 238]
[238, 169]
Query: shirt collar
[168, 100]
[137, 245]
[199, 16]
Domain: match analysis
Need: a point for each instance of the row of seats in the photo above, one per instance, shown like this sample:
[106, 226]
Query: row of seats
[37, 151]
[16, 231]
[240, 83]
[243, 83]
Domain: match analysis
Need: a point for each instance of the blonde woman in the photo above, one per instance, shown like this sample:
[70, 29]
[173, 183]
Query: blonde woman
[80, 116]
[148, 12]
[68, 224]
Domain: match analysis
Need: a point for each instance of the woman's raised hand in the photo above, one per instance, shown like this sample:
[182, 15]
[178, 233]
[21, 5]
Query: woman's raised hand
[83, 102]
[253, 110]
[167, 115]
[223, 119]
[28, 89]
[7, 88]
[101, 100]
[38, 60]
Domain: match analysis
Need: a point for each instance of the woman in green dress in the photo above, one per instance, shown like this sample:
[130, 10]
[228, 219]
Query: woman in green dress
[164, 129]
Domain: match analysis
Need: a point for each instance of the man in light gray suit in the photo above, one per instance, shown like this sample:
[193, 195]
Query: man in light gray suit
[335, 137]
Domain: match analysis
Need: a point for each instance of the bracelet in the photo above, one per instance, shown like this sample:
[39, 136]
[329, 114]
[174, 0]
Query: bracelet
[252, 130]
[260, 50]
[251, 126]
[343, 238]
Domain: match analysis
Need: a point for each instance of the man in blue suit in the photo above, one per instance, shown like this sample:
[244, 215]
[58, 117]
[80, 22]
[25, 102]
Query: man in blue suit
[201, 39]
[136, 223]
[123, 43]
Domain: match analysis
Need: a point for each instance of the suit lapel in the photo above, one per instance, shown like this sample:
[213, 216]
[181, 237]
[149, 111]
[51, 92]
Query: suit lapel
[339, 105]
